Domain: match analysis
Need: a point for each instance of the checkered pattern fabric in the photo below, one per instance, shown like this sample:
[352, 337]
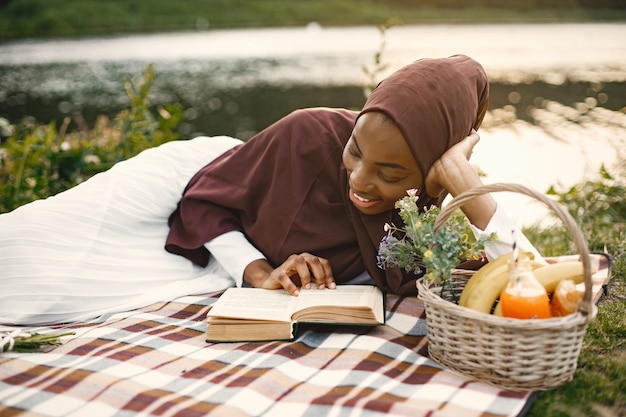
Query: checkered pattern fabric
[156, 362]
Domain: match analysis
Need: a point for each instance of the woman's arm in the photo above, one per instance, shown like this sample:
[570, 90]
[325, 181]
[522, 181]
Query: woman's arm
[234, 253]
[305, 268]
[244, 262]
[503, 226]
[453, 173]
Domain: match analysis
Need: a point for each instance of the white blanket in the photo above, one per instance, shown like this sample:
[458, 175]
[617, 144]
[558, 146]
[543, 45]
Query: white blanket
[99, 247]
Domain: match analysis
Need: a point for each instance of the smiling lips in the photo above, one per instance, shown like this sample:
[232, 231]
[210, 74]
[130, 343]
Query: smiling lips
[361, 201]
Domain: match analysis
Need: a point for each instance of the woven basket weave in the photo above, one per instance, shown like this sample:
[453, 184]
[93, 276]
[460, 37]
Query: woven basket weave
[518, 355]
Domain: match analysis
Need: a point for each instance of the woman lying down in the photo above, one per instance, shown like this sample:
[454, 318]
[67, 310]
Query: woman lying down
[303, 202]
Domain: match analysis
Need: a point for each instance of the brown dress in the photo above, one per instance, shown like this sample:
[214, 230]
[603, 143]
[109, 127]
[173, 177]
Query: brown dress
[287, 190]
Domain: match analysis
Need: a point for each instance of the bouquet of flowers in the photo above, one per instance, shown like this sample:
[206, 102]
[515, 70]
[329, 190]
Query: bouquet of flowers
[417, 247]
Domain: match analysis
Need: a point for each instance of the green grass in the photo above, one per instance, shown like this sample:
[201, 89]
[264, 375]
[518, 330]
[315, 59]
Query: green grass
[79, 18]
[599, 385]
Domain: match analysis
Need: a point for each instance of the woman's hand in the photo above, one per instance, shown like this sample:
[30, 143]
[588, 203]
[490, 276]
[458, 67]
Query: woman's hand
[453, 173]
[304, 269]
[448, 171]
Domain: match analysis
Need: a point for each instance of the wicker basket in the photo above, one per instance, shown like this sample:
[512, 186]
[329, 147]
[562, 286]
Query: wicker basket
[518, 355]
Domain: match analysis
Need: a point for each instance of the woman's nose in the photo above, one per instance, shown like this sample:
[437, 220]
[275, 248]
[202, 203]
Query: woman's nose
[360, 179]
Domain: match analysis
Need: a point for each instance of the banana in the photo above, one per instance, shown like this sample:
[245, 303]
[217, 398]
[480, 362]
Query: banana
[488, 289]
[487, 270]
[550, 275]
[497, 311]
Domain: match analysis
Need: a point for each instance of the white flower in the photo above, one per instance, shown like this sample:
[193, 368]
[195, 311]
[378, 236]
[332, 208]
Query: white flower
[91, 159]
[412, 192]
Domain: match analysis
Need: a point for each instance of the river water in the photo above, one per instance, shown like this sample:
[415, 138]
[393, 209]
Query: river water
[558, 91]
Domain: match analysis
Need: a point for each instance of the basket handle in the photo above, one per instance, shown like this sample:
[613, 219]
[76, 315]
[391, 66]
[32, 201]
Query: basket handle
[585, 306]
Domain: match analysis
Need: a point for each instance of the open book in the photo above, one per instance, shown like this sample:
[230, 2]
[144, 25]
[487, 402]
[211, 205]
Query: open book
[249, 314]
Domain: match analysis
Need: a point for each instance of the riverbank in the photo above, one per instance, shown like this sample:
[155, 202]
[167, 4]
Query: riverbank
[43, 19]
[512, 53]
[236, 82]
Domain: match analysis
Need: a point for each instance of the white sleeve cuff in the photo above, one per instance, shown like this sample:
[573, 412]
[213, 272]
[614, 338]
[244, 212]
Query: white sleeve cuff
[234, 253]
[502, 225]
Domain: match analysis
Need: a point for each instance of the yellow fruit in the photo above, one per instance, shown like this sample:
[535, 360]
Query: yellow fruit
[488, 289]
[487, 270]
[497, 311]
[550, 275]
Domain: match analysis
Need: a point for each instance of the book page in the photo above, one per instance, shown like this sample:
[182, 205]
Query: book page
[343, 295]
[255, 303]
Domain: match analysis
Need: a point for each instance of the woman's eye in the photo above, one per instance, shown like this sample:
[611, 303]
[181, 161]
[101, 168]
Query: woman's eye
[390, 179]
[353, 152]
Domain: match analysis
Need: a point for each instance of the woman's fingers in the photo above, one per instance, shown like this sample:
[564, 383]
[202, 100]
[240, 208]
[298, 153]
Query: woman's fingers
[309, 268]
[442, 173]
[469, 142]
[280, 278]
[321, 271]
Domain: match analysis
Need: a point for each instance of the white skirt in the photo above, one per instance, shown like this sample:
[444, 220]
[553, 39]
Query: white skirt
[99, 247]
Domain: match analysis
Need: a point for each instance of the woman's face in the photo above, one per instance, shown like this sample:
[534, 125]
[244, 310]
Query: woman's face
[380, 164]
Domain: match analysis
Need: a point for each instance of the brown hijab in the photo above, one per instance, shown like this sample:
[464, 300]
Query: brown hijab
[287, 190]
[435, 103]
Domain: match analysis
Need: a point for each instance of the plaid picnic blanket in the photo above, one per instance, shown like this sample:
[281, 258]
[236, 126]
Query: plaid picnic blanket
[155, 362]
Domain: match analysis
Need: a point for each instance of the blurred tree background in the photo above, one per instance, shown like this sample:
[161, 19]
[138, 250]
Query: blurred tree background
[78, 18]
